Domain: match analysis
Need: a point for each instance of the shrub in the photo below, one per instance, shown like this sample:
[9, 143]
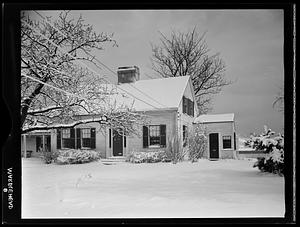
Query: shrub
[273, 162]
[76, 156]
[197, 143]
[49, 157]
[174, 152]
[147, 157]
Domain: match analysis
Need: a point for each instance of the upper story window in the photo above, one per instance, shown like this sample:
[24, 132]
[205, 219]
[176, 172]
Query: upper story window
[187, 106]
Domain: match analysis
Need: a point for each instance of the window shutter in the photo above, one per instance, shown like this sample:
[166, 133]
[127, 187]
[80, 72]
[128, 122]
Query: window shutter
[124, 141]
[72, 138]
[78, 138]
[145, 136]
[58, 139]
[109, 138]
[234, 137]
[163, 135]
[93, 138]
[183, 109]
[193, 107]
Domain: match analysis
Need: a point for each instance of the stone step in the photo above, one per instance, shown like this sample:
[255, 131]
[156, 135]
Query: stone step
[113, 160]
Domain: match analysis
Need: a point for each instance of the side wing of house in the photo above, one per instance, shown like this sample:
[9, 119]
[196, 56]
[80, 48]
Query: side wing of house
[90, 136]
[222, 137]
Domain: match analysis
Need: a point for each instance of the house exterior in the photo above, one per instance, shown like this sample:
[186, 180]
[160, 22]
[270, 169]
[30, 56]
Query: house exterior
[167, 103]
[170, 110]
[222, 141]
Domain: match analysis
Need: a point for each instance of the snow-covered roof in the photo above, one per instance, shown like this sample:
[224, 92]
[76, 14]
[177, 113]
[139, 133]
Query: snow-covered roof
[210, 118]
[163, 93]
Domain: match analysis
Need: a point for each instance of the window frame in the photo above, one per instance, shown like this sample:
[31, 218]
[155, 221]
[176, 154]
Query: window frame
[82, 138]
[158, 135]
[230, 140]
[64, 139]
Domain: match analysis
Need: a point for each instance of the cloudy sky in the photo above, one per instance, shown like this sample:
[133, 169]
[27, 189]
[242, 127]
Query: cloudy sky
[249, 41]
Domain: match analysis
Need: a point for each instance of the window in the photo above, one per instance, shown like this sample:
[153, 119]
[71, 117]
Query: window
[184, 135]
[226, 142]
[66, 134]
[187, 106]
[86, 137]
[154, 136]
[67, 138]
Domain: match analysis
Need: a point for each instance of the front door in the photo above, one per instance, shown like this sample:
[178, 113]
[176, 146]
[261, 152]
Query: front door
[117, 144]
[214, 145]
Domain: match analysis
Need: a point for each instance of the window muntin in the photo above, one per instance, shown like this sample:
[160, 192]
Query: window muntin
[227, 142]
[66, 140]
[86, 137]
[154, 135]
[66, 133]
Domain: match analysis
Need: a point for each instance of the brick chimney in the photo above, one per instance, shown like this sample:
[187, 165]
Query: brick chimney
[128, 74]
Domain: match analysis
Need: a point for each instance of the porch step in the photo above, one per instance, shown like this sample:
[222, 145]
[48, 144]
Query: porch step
[113, 160]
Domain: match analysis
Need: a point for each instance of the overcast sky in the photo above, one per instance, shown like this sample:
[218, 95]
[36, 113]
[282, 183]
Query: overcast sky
[249, 41]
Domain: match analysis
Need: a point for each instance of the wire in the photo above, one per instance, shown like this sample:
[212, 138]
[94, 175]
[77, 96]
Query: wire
[108, 68]
[86, 65]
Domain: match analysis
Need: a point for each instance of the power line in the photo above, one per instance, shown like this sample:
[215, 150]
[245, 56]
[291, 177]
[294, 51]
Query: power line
[108, 68]
[86, 65]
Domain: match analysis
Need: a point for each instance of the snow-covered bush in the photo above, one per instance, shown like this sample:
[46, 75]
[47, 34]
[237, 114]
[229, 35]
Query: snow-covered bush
[174, 152]
[273, 146]
[49, 157]
[76, 156]
[197, 143]
[147, 157]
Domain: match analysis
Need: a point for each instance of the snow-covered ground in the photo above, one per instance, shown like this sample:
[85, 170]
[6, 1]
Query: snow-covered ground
[224, 188]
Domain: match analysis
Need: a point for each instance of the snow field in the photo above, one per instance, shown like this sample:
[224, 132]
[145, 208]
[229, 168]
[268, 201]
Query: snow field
[224, 188]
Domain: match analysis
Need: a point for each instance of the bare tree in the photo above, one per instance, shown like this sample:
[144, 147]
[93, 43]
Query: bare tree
[56, 91]
[187, 54]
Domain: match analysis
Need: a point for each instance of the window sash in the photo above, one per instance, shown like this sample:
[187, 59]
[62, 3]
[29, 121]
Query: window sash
[86, 133]
[66, 133]
[154, 135]
[227, 142]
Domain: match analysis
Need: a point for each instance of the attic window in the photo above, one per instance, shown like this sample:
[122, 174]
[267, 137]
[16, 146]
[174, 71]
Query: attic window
[187, 106]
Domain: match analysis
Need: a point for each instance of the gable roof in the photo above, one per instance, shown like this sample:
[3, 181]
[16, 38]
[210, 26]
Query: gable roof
[211, 118]
[163, 93]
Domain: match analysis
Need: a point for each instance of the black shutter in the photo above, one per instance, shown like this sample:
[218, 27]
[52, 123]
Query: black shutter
[145, 136]
[190, 107]
[193, 107]
[109, 138]
[58, 139]
[124, 141]
[78, 138]
[163, 135]
[72, 138]
[184, 104]
[234, 137]
[93, 138]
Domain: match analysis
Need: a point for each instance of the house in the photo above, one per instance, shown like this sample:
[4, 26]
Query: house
[167, 103]
[221, 132]
[170, 110]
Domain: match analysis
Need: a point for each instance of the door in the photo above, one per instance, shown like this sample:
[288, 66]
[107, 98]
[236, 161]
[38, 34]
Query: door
[48, 143]
[214, 145]
[117, 144]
